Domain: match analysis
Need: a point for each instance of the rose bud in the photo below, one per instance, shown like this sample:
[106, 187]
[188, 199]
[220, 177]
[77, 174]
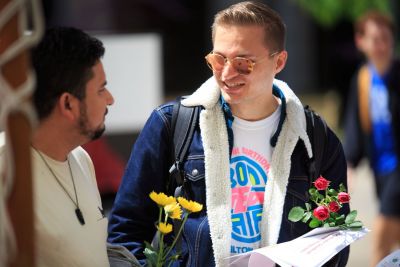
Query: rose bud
[343, 197]
[321, 183]
[334, 206]
[321, 213]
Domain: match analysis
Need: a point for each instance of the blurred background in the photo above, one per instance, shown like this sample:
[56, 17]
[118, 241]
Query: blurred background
[155, 52]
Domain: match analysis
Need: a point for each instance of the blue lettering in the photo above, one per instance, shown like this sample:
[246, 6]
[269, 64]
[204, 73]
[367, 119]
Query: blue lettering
[241, 173]
[256, 215]
[254, 177]
[238, 224]
[232, 175]
[239, 250]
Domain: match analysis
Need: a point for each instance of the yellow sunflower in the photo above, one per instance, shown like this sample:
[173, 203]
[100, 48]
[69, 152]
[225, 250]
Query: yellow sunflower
[173, 211]
[165, 228]
[162, 199]
[189, 205]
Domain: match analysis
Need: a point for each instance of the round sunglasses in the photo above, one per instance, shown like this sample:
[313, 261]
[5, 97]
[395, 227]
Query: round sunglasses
[241, 65]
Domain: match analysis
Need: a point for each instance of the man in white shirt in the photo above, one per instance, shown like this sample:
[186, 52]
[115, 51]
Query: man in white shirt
[71, 102]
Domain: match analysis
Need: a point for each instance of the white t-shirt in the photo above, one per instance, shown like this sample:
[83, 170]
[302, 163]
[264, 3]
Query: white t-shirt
[60, 239]
[249, 166]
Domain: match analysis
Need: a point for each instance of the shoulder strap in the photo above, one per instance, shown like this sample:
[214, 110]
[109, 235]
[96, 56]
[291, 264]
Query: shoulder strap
[317, 132]
[363, 82]
[183, 123]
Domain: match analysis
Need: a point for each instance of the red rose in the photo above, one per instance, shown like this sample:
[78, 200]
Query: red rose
[334, 206]
[343, 197]
[321, 213]
[321, 183]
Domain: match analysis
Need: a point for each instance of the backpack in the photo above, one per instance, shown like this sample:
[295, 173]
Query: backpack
[185, 119]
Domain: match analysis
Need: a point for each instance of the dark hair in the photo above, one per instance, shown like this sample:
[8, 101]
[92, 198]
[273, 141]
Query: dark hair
[63, 62]
[254, 13]
[377, 17]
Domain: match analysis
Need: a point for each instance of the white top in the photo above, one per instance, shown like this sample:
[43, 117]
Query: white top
[60, 239]
[249, 167]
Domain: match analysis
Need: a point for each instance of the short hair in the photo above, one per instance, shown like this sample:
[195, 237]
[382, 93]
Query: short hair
[377, 17]
[251, 13]
[63, 62]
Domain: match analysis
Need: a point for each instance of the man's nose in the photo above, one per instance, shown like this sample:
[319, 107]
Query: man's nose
[228, 71]
[110, 98]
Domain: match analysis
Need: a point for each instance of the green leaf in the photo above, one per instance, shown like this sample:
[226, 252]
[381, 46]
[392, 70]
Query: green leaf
[149, 246]
[320, 196]
[306, 217]
[355, 225]
[332, 192]
[342, 188]
[312, 191]
[296, 214]
[314, 197]
[308, 206]
[330, 220]
[314, 223]
[340, 220]
[351, 217]
[151, 256]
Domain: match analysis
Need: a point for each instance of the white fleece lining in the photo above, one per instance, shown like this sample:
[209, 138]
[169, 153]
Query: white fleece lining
[216, 151]
[218, 189]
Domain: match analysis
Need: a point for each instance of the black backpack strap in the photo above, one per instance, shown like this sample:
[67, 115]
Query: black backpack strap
[183, 123]
[317, 131]
[318, 134]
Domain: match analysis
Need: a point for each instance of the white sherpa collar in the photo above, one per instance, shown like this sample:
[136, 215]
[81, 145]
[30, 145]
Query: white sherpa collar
[216, 151]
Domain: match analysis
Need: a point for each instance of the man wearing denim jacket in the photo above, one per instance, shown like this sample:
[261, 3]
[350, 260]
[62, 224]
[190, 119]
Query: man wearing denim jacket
[248, 160]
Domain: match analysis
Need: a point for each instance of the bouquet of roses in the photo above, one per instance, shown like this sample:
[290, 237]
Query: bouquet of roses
[328, 204]
[170, 208]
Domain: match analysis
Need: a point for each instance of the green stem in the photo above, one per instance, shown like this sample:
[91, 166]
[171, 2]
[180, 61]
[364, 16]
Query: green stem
[159, 215]
[177, 236]
[161, 244]
[160, 253]
[170, 263]
[326, 196]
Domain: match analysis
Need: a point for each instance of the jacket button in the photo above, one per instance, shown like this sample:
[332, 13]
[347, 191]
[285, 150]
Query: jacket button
[195, 172]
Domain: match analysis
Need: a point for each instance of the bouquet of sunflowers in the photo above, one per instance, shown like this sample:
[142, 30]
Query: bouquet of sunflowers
[171, 208]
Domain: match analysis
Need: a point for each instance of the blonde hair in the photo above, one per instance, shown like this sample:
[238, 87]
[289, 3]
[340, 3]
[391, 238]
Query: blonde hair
[253, 13]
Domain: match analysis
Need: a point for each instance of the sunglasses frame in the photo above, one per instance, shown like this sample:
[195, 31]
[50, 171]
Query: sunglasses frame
[252, 63]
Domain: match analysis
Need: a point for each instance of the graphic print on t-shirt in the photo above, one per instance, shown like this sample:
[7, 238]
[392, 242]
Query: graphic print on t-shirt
[249, 167]
[248, 175]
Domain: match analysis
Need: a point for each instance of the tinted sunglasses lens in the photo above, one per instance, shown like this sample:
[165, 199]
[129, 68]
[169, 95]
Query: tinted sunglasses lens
[242, 65]
[215, 62]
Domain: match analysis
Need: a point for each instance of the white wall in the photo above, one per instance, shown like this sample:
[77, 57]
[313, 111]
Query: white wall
[133, 66]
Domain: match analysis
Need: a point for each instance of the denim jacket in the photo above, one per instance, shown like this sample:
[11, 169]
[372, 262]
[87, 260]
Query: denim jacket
[207, 235]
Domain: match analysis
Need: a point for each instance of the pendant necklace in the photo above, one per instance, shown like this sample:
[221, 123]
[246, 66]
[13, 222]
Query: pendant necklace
[78, 211]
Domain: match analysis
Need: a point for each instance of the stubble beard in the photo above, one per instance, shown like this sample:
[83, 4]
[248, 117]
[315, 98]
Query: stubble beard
[84, 125]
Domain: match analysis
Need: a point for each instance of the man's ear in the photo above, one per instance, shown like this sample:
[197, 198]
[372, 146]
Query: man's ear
[281, 61]
[66, 104]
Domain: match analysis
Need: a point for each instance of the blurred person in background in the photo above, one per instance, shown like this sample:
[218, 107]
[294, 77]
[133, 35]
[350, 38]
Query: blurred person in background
[372, 124]
[71, 100]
